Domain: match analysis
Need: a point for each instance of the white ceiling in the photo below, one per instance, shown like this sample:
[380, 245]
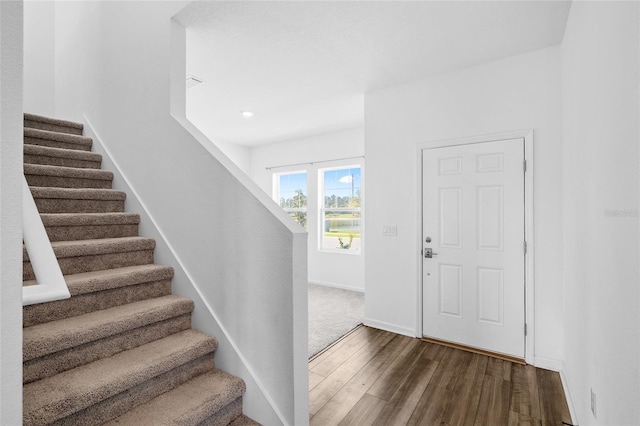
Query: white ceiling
[303, 66]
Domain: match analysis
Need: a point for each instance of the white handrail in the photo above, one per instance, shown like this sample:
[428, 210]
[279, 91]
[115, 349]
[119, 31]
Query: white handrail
[50, 282]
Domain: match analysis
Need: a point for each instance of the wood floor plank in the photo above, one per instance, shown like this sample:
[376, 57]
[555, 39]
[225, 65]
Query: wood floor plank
[447, 374]
[327, 361]
[506, 370]
[332, 384]
[314, 379]
[498, 413]
[485, 400]
[431, 407]
[495, 367]
[347, 398]
[337, 346]
[364, 412]
[518, 419]
[524, 391]
[466, 393]
[434, 351]
[398, 370]
[553, 405]
[404, 401]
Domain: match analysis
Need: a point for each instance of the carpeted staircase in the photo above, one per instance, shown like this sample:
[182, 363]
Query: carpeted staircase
[121, 350]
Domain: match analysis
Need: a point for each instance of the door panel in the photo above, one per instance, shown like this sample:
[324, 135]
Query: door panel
[473, 212]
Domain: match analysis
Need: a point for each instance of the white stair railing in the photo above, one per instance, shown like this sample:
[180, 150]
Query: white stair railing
[50, 282]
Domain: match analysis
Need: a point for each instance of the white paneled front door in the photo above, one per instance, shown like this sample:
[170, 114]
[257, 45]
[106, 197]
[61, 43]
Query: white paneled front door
[474, 223]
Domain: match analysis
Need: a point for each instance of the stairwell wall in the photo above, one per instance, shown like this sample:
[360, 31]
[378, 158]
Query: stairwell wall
[235, 254]
[39, 36]
[11, 213]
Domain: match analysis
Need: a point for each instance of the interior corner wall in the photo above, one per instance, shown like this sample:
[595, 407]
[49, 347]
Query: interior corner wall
[600, 91]
[520, 92]
[39, 57]
[326, 268]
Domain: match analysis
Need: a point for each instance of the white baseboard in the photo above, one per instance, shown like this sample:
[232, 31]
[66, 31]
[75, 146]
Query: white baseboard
[335, 285]
[567, 394]
[547, 363]
[393, 328]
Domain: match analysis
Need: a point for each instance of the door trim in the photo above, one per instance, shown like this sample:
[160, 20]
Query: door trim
[527, 135]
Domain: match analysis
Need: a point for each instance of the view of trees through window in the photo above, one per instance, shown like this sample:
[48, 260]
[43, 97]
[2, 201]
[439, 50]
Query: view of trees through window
[341, 211]
[292, 195]
[338, 192]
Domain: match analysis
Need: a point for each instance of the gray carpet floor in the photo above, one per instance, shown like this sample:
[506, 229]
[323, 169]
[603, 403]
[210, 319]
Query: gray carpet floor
[333, 313]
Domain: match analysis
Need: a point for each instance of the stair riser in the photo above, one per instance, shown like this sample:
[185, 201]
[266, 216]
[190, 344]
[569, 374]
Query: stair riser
[226, 415]
[67, 182]
[56, 144]
[32, 124]
[65, 205]
[61, 161]
[99, 262]
[127, 400]
[90, 302]
[90, 232]
[58, 362]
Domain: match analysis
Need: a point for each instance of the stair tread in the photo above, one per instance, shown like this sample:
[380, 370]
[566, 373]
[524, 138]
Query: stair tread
[61, 395]
[71, 172]
[77, 193]
[62, 153]
[80, 219]
[55, 121]
[77, 248]
[89, 282]
[57, 136]
[189, 403]
[54, 336]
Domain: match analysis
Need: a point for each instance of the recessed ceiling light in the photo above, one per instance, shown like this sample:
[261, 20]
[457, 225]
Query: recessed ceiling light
[246, 114]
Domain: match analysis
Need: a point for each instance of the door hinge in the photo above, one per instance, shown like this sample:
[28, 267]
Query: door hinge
[525, 247]
[524, 166]
[525, 328]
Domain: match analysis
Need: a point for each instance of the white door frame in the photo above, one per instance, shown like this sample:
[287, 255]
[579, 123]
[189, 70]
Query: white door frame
[527, 135]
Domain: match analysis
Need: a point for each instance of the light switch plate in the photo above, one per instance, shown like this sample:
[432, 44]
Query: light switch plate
[390, 230]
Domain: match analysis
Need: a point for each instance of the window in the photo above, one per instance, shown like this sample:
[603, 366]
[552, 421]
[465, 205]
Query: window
[341, 209]
[290, 191]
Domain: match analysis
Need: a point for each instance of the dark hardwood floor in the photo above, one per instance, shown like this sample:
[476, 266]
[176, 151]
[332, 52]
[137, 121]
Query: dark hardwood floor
[373, 377]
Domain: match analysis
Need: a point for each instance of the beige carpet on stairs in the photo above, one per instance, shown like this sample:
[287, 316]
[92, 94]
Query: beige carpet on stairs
[121, 350]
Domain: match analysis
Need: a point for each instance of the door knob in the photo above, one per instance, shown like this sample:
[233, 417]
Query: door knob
[429, 253]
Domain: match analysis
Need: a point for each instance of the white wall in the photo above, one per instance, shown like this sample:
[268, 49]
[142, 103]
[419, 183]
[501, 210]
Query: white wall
[327, 268]
[239, 154]
[11, 213]
[235, 254]
[520, 92]
[79, 60]
[39, 58]
[600, 66]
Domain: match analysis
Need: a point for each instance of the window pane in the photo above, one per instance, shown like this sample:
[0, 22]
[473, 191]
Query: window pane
[342, 187]
[341, 216]
[292, 194]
